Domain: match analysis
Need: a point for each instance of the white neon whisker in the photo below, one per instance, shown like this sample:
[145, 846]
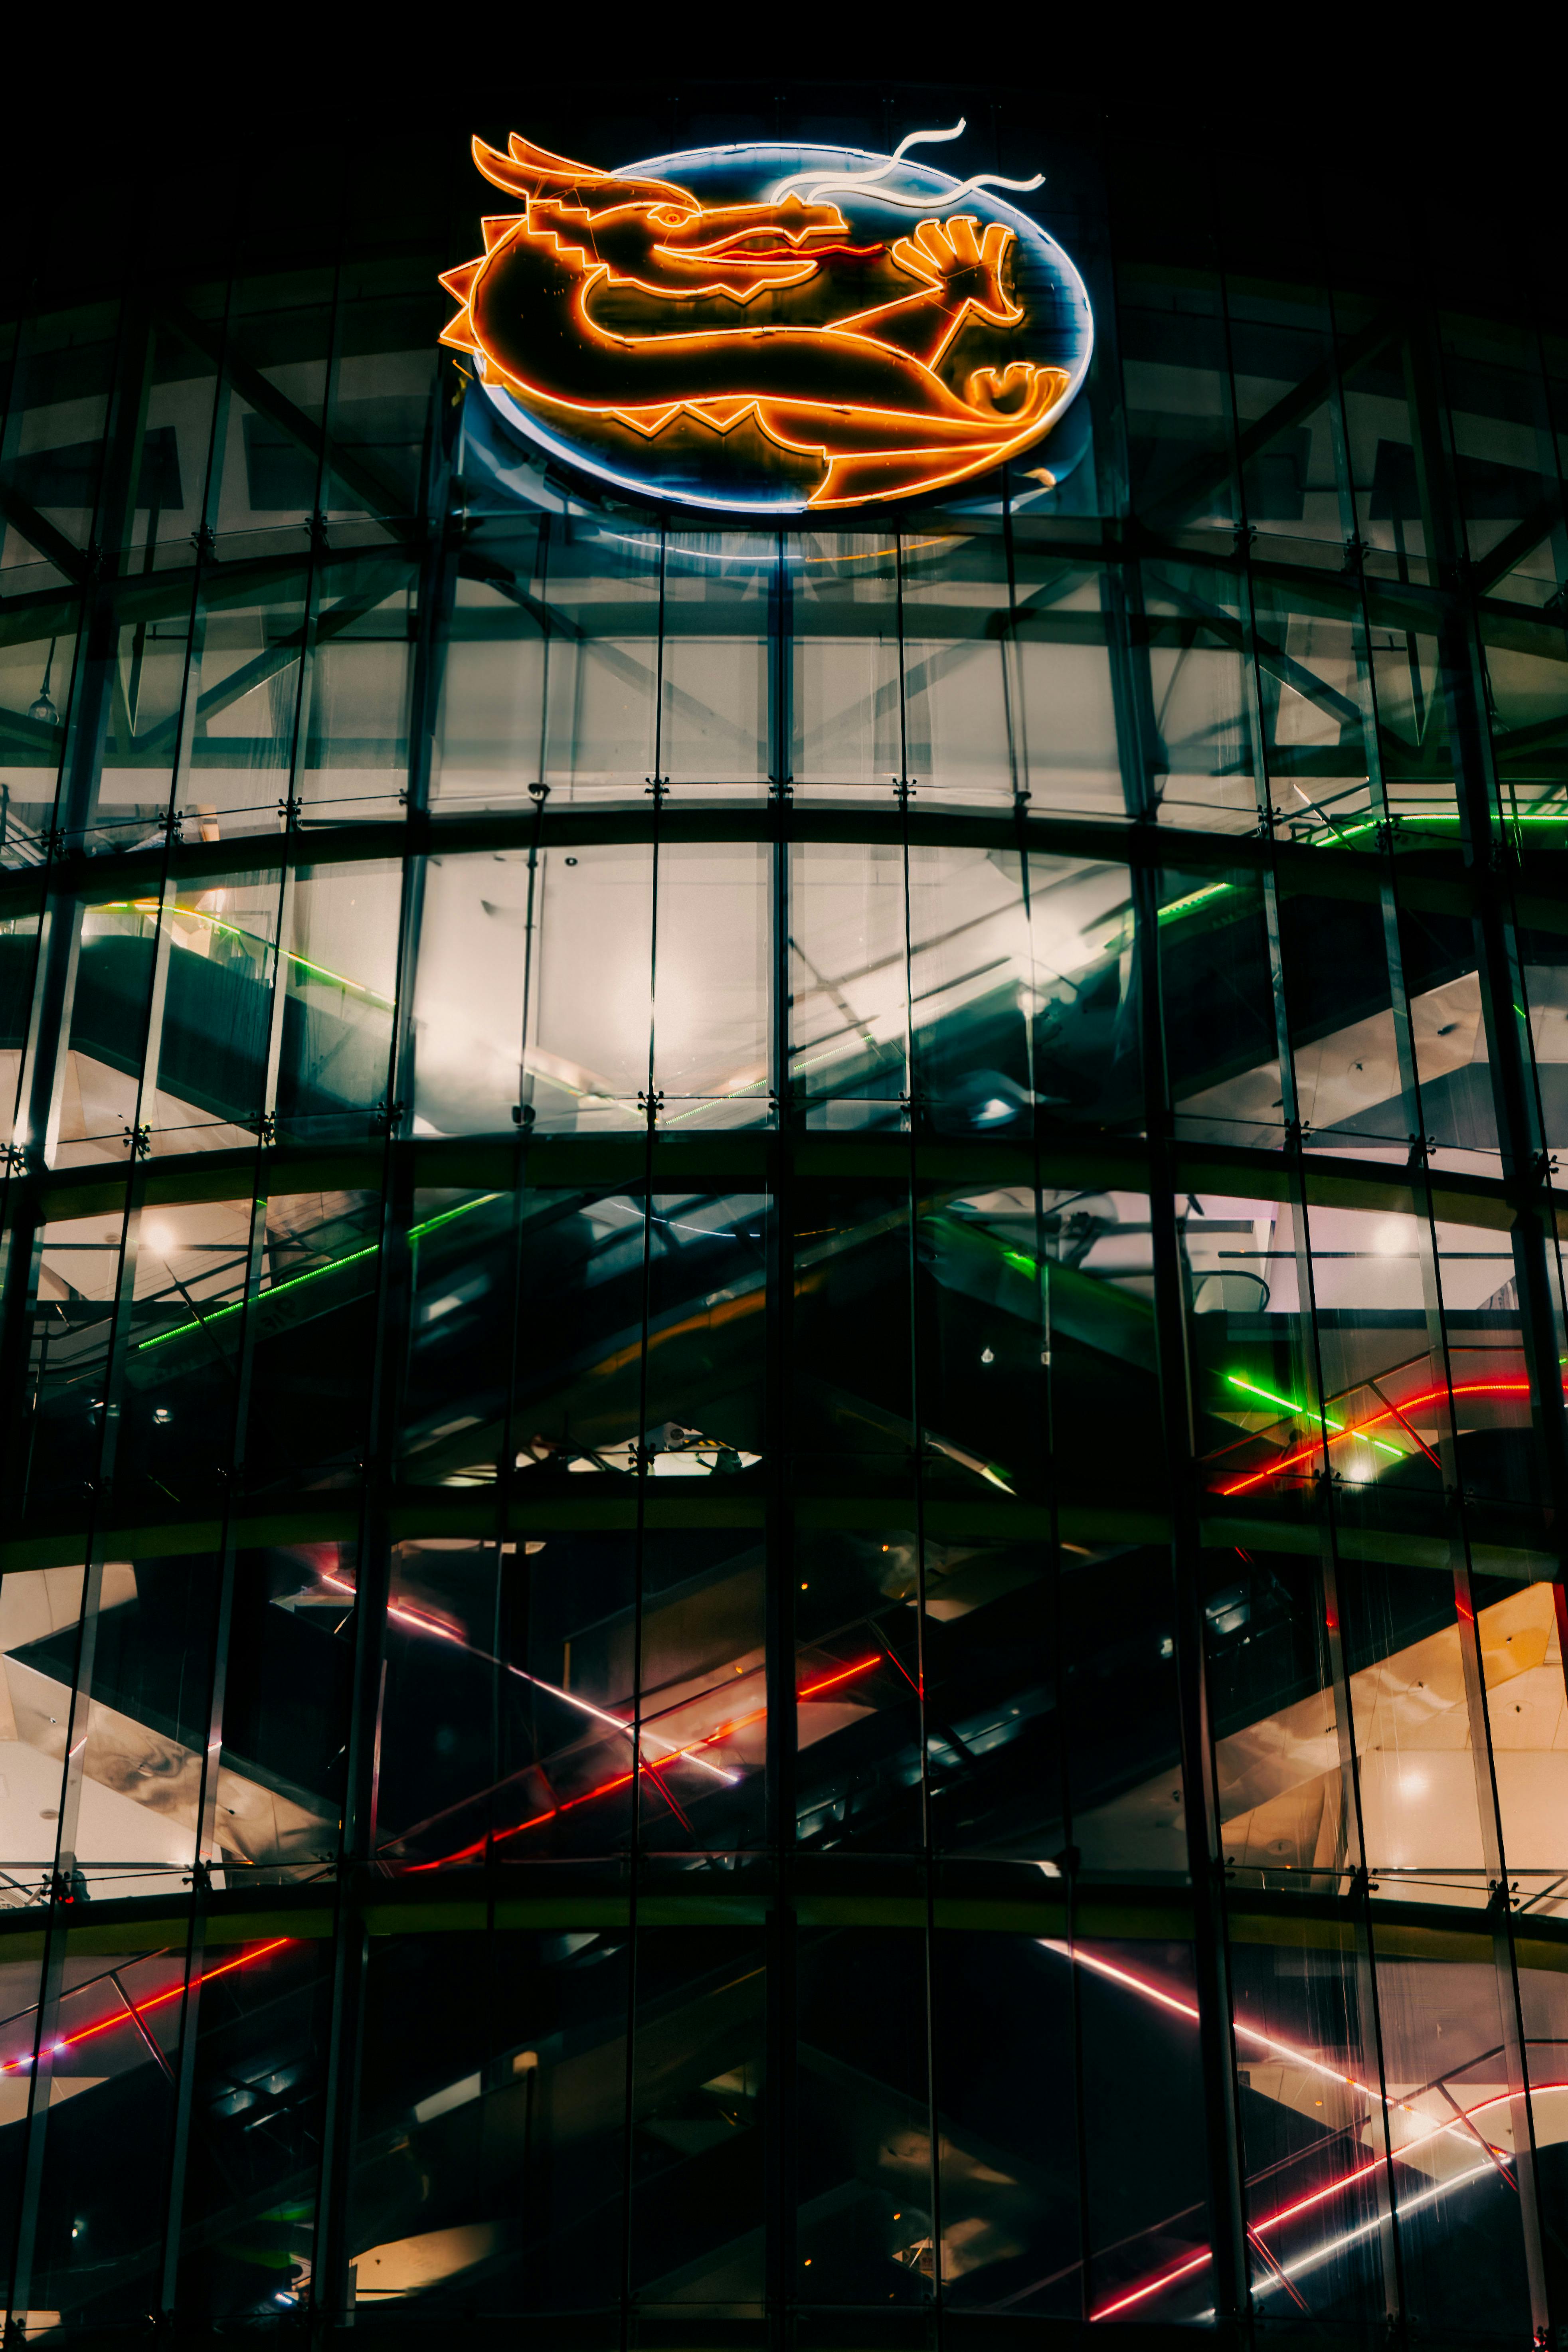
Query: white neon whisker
[872, 178]
[815, 184]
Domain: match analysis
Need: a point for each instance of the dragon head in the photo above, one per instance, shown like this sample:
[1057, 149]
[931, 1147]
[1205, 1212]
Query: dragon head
[654, 234]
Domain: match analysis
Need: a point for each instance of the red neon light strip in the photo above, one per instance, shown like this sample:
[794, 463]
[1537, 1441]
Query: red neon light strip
[1393, 1412]
[1329, 2188]
[424, 1620]
[123, 2017]
[1290, 2050]
[607, 1788]
[1153, 2286]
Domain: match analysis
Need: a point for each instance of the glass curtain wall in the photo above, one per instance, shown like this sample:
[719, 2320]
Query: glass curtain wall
[1013, 1047]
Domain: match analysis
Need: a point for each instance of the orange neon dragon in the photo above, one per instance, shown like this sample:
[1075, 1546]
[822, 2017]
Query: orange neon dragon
[625, 312]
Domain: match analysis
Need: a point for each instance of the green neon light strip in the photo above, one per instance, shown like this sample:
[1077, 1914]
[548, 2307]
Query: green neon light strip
[1194, 898]
[1179, 908]
[1327, 1420]
[199, 915]
[1290, 1403]
[297, 1281]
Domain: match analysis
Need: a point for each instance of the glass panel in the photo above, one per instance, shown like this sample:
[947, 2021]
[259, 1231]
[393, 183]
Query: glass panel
[1008, 2151]
[714, 722]
[1420, 791]
[1394, 513]
[581, 1287]
[340, 970]
[242, 703]
[1313, 686]
[98, 1093]
[1504, 463]
[1217, 988]
[1147, 2226]
[712, 985]
[40, 1618]
[112, 2050]
[602, 587]
[179, 1381]
[212, 1051]
[859, 1776]
[588, 1040]
[1088, 1059]
[286, 1694]
[134, 1825]
[864, 2205]
[53, 449]
[843, 625]
[1126, 1801]
[958, 742]
[1456, 2202]
[1527, 694]
[499, 645]
[457, 1381]
[698, 2119]
[18, 964]
[1202, 730]
[310, 1330]
[490, 2158]
[474, 964]
[970, 985]
[77, 1277]
[1172, 327]
[1064, 704]
[847, 983]
[354, 756]
[247, 2230]
[1312, 2124]
[279, 328]
[1287, 419]
[1542, 947]
[35, 678]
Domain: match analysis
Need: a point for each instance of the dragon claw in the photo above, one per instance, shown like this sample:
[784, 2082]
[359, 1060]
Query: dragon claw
[966, 266]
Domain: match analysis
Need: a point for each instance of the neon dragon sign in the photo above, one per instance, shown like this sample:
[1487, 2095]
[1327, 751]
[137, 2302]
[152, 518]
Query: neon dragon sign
[771, 328]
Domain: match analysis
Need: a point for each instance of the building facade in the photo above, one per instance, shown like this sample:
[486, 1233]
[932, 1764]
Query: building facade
[1008, 1031]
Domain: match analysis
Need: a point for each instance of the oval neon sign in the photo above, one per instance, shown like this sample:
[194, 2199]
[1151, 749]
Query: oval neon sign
[769, 328]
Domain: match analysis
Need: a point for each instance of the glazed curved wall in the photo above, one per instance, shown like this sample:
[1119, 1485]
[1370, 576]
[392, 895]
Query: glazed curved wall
[784, 1441]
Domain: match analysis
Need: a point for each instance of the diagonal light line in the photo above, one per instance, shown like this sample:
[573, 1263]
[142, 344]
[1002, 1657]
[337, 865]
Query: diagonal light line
[157, 2001]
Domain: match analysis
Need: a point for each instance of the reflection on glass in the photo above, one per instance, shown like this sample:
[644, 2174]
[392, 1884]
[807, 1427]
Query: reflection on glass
[340, 966]
[847, 732]
[488, 2158]
[865, 2205]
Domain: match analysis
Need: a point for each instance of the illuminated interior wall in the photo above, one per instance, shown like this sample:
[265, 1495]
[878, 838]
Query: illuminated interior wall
[781, 1370]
